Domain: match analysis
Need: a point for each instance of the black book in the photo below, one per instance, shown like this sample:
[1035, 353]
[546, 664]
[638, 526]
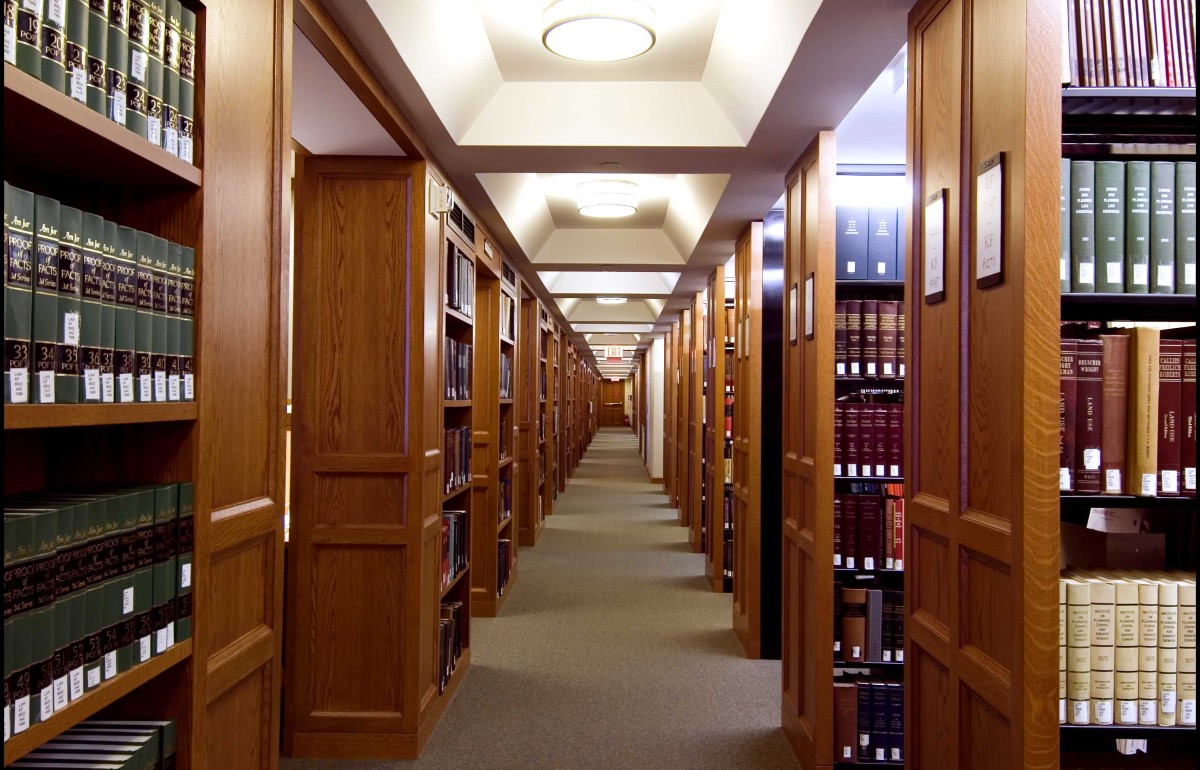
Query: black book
[880, 721]
[864, 722]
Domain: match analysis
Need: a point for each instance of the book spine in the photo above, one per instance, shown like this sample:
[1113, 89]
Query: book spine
[845, 723]
[1125, 678]
[174, 320]
[839, 340]
[1168, 652]
[838, 524]
[54, 44]
[91, 348]
[901, 338]
[187, 84]
[97, 56]
[1110, 226]
[1147, 653]
[1170, 397]
[864, 721]
[1089, 417]
[144, 345]
[156, 44]
[28, 51]
[1120, 66]
[1062, 652]
[850, 531]
[1185, 227]
[879, 722]
[895, 433]
[898, 544]
[108, 310]
[866, 439]
[854, 338]
[870, 338]
[881, 454]
[18, 292]
[1114, 411]
[881, 245]
[1064, 210]
[1162, 227]
[45, 297]
[851, 246]
[123, 244]
[1142, 440]
[1187, 417]
[1137, 227]
[888, 327]
[839, 437]
[851, 438]
[76, 51]
[895, 692]
[1079, 658]
[1102, 646]
[70, 299]
[117, 64]
[874, 625]
[137, 68]
[187, 329]
[870, 531]
[1186, 709]
[1083, 226]
[159, 252]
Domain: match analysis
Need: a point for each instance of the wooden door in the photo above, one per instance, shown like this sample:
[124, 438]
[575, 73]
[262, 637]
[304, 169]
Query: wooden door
[612, 410]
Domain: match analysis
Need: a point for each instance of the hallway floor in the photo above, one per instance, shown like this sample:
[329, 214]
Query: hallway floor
[612, 652]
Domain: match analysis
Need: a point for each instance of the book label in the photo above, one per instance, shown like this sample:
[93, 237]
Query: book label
[154, 130]
[895, 754]
[1170, 482]
[62, 693]
[837, 469]
[137, 65]
[887, 656]
[1064, 480]
[91, 384]
[106, 387]
[847, 752]
[1062, 269]
[145, 389]
[79, 85]
[840, 370]
[1147, 712]
[118, 107]
[1167, 702]
[127, 601]
[160, 642]
[47, 704]
[10, 56]
[1149, 485]
[894, 471]
[1113, 272]
[93, 677]
[185, 576]
[189, 391]
[1166, 276]
[76, 684]
[1087, 273]
[899, 652]
[1128, 711]
[880, 755]
[56, 11]
[71, 329]
[144, 649]
[853, 469]
[1187, 711]
[1141, 275]
[1112, 481]
[1079, 712]
[173, 387]
[837, 560]
[864, 739]
[110, 665]
[1189, 273]
[18, 386]
[870, 368]
[7, 725]
[21, 714]
[868, 562]
[46, 387]
[849, 562]
[1189, 478]
[125, 381]
[1104, 712]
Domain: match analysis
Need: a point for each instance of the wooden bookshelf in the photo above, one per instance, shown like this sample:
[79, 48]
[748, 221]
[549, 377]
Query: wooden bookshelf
[530, 513]
[694, 373]
[683, 405]
[549, 484]
[718, 446]
[222, 685]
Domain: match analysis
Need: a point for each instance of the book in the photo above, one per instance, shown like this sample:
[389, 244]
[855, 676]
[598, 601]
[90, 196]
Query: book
[866, 439]
[1170, 396]
[142, 245]
[187, 330]
[895, 599]
[888, 341]
[1103, 610]
[1089, 417]
[159, 252]
[881, 244]
[117, 62]
[850, 532]
[898, 539]
[91, 334]
[1162, 227]
[27, 54]
[174, 319]
[851, 246]
[45, 297]
[187, 84]
[1141, 445]
[1186, 684]
[137, 73]
[1137, 227]
[1083, 226]
[839, 340]
[70, 299]
[838, 523]
[1147, 653]
[1062, 652]
[1125, 637]
[97, 55]
[54, 44]
[1185, 227]
[18, 292]
[1187, 417]
[1114, 411]
[156, 42]
[863, 689]
[882, 448]
[880, 721]
[850, 439]
[166, 565]
[854, 625]
[185, 547]
[854, 337]
[1064, 207]
[1168, 651]
[171, 58]
[1079, 662]
[1110, 226]
[874, 618]
[845, 722]
[895, 440]
[870, 531]
[870, 338]
[121, 242]
[75, 51]
[895, 694]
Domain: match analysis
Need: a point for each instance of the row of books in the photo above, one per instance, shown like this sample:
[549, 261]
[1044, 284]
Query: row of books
[456, 460]
[455, 546]
[728, 424]
[506, 499]
[102, 744]
[94, 312]
[870, 243]
[868, 722]
[729, 369]
[95, 582]
[1128, 227]
[1121, 43]
[1127, 648]
[506, 376]
[869, 339]
[450, 641]
[460, 280]
[868, 625]
[504, 550]
[132, 60]
[730, 328]
[1127, 413]
[457, 358]
[868, 531]
[868, 436]
[508, 316]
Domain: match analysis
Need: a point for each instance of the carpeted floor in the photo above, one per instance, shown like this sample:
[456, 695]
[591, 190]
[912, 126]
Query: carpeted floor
[611, 651]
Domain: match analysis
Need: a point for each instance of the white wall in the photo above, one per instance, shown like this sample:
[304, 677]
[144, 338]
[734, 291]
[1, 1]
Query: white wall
[656, 367]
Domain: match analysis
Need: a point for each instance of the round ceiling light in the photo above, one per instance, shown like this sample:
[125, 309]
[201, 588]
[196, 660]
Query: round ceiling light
[607, 198]
[598, 30]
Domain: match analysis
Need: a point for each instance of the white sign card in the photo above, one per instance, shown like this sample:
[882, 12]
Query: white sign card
[989, 222]
[793, 317]
[809, 290]
[933, 265]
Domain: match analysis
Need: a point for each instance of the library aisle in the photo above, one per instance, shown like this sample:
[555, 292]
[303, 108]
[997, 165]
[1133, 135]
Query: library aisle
[613, 653]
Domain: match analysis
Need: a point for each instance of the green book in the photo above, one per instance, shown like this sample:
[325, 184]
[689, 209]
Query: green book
[161, 318]
[1110, 226]
[18, 293]
[1185, 227]
[93, 659]
[143, 584]
[166, 565]
[138, 69]
[28, 53]
[123, 241]
[45, 297]
[1083, 226]
[77, 50]
[124, 642]
[1137, 227]
[97, 56]
[187, 84]
[9, 644]
[1162, 227]
[108, 309]
[91, 333]
[70, 305]
[185, 538]
[20, 591]
[174, 319]
[145, 317]
[117, 63]
[156, 49]
[54, 44]
[1064, 210]
[41, 625]
[187, 331]
[170, 108]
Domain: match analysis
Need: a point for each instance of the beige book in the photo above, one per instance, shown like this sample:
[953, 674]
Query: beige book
[1125, 680]
[1187, 699]
[1062, 651]
[1186, 686]
[1147, 653]
[1079, 656]
[1102, 651]
[1141, 453]
[1168, 651]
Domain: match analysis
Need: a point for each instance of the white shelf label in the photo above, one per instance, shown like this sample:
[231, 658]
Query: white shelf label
[45, 387]
[1112, 480]
[126, 601]
[1141, 275]
[91, 384]
[1091, 459]
[1112, 273]
[126, 388]
[107, 391]
[18, 386]
[1170, 482]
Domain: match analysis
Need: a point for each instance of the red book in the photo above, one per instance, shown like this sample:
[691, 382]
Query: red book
[866, 439]
[850, 532]
[850, 438]
[895, 433]
[870, 531]
[870, 337]
[445, 551]
[1187, 454]
[898, 535]
[839, 340]
[889, 528]
[1088, 416]
[854, 338]
[837, 529]
[1068, 372]
[882, 455]
[839, 428]
[901, 328]
[728, 416]
[1170, 405]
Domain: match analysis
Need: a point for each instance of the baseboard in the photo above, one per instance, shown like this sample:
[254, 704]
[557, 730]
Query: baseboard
[656, 479]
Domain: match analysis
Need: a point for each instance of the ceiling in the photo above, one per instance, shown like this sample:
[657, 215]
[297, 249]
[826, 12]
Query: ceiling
[707, 123]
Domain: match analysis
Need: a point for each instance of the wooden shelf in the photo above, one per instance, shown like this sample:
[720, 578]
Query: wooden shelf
[866, 574]
[507, 340]
[455, 492]
[870, 285]
[457, 579]
[504, 524]
[105, 695]
[1128, 101]
[59, 135]
[841, 666]
[507, 461]
[458, 404]
[871, 479]
[1128, 307]
[1082, 503]
[31, 416]
[459, 316]
[506, 402]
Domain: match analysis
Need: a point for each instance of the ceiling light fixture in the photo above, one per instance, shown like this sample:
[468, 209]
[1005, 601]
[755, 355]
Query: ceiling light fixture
[611, 301]
[607, 198]
[598, 30]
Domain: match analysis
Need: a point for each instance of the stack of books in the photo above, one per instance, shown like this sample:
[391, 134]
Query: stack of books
[107, 745]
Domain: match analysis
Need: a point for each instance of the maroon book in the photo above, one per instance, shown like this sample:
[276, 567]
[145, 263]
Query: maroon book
[901, 326]
[1089, 397]
[1170, 405]
[881, 439]
[870, 531]
[839, 428]
[870, 337]
[1187, 452]
[839, 340]
[854, 340]
[837, 530]
[850, 532]
[866, 439]
[1068, 373]
[850, 438]
[895, 431]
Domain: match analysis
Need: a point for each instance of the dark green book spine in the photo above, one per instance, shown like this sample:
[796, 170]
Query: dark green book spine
[156, 50]
[1083, 226]
[42, 626]
[18, 293]
[125, 642]
[174, 320]
[161, 319]
[125, 362]
[70, 305]
[1137, 227]
[166, 565]
[66, 567]
[145, 318]
[187, 84]
[170, 108]
[9, 646]
[97, 56]
[54, 44]
[185, 536]
[1185, 227]
[91, 335]
[1064, 210]
[143, 589]
[1110, 226]
[117, 63]
[187, 331]
[77, 50]
[29, 36]
[45, 297]
[20, 588]
[108, 311]
[138, 69]
[1162, 227]
[93, 659]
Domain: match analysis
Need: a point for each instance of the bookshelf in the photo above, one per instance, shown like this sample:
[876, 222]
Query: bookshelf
[757, 423]
[988, 546]
[670, 399]
[695, 425]
[683, 415]
[226, 441]
[562, 395]
[532, 459]
[549, 487]
[718, 435]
